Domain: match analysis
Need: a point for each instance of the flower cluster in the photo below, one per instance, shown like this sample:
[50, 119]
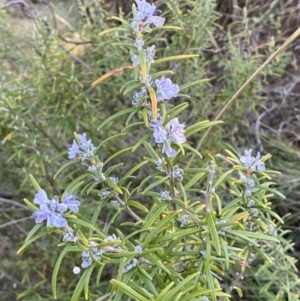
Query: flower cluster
[251, 163]
[52, 210]
[138, 249]
[144, 16]
[177, 173]
[224, 229]
[149, 55]
[70, 237]
[83, 148]
[96, 170]
[184, 220]
[129, 266]
[172, 132]
[165, 196]
[86, 255]
[140, 98]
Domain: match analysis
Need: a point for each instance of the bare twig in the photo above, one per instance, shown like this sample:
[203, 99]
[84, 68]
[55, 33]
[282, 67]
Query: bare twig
[14, 222]
[15, 203]
[131, 213]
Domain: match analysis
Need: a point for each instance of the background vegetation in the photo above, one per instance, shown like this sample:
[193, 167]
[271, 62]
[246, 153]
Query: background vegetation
[51, 52]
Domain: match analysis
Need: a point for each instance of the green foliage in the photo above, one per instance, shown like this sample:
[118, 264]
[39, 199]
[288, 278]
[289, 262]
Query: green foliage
[48, 95]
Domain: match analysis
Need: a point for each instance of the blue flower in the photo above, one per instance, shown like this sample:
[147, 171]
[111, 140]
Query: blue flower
[85, 149]
[175, 131]
[86, 256]
[71, 202]
[177, 173]
[165, 89]
[172, 132]
[52, 210]
[159, 132]
[251, 162]
[165, 196]
[144, 16]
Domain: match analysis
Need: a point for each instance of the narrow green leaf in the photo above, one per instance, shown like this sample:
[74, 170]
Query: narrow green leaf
[137, 205]
[183, 193]
[132, 87]
[151, 151]
[33, 231]
[161, 73]
[127, 290]
[163, 293]
[80, 285]
[213, 232]
[114, 116]
[117, 154]
[175, 57]
[138, 123]
[166, 27]
[35, 183]
[200, 126]
[156, 183]
[30, 205]
[87, 280]
[141, 141]
[254, 235]
[159, 227]
[190, 84]
[56, 269]
[35, 237]
[64, 167]
[222, 178]
[175, 111]
[185, 145]
[179, 287]
[112, 30]
[110, 138]
[80, 222]
[131, 171]
[122, 21]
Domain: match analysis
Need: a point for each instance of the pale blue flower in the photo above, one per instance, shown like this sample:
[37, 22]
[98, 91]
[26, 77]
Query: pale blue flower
[165, 89]
[172, 132]
[165, 196]
[251, 203]
[96, 170]
[86, 256]
[70, 237]
[115, 179]
[138, 249]
[175, 131]
[52, 210]
[139, 43]
[71, 202]
[177, 173]
[251, 162]
[103, 194]
[160, 164]
[159, 132]
[132, 264]
[168, 150]
[135, 59]
[149, 54]
[112, 237]
[144, 16]
[85, 149]
[139, 98]
[184, 221]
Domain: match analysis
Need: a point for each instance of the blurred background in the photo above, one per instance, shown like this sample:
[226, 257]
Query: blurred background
[51, 52]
